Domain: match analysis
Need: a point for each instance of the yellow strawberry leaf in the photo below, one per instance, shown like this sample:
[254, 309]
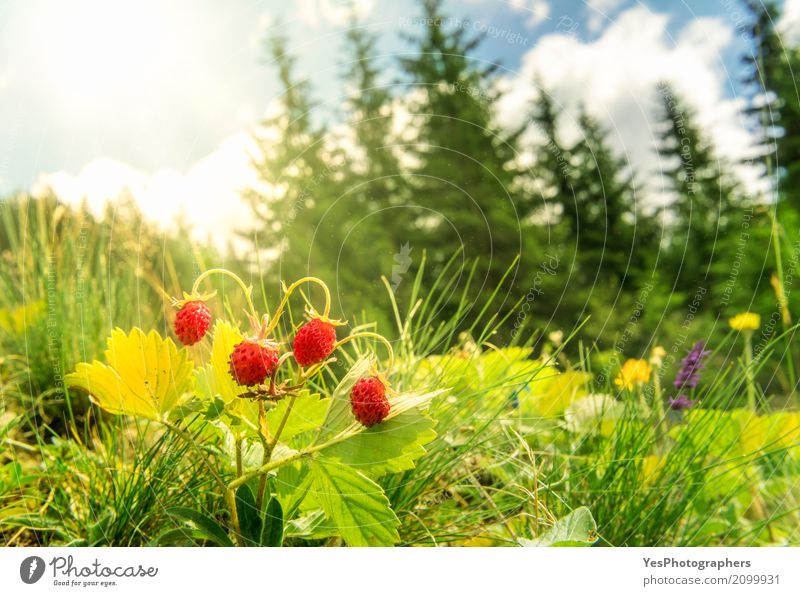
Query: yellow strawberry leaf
[215, 380]
[145, 375]
[226, 336]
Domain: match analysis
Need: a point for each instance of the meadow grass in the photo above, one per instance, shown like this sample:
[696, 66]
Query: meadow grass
[505, 465]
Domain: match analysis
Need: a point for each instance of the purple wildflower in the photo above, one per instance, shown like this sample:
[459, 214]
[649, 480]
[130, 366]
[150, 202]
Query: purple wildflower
[681, 403]
[691, 366]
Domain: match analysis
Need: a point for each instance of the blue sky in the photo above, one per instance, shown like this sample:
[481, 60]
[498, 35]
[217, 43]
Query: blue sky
[161, 96]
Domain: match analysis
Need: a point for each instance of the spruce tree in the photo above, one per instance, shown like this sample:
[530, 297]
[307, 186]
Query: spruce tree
[463, 178]
[296, 178]
[590, 216]
[705, 205]
[772, 71]
[605, 206]
[372, 217]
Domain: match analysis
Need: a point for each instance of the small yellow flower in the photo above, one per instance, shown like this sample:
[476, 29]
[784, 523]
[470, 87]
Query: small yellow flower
[745, 321]
[657, 355]
[633, 372]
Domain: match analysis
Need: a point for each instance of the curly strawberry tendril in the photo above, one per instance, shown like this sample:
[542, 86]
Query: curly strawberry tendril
[369, 334]
[248, 291]
[279, 311]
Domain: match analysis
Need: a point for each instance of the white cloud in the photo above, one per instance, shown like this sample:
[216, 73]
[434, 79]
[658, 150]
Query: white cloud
[206, 195]
[604, 5]
[600, 12]
[318, 13]
[537, 10]
[6, 78]
[789, 24]
[265, 21]
[615, 77]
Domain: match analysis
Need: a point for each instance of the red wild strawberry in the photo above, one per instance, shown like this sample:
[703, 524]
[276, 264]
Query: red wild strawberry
[192, 322]
[251, 363]
[314, 342]
[368, 401]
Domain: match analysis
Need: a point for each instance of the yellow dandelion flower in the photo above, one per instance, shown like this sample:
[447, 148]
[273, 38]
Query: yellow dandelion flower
[745, 321]
[633, 372]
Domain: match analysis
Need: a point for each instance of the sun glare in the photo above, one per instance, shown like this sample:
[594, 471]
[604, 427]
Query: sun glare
[104, 47]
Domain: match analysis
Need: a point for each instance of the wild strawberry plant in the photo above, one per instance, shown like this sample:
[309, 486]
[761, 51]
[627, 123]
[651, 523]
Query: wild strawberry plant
[289, 458]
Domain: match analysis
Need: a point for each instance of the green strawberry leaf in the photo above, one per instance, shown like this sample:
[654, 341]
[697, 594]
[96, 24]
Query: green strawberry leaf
[340, 419]
[576, 529]
[339, 416]
[250, 522]
[392, 446]
[215, 409]
[207, 527]
[308, 413]
[355, 505]
[180, 537]
[307, 526]
[272, 530]
[292, 483]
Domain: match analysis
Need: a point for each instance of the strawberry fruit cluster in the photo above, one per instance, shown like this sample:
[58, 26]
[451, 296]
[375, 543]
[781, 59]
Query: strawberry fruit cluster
[255, 361]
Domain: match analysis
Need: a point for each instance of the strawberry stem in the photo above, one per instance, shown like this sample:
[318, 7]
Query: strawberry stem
[272, 465]
[247, 290]
[266, 454]
[281, 425]
[371, 335]
[230, 498]
[279, 311]
[238, 456]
